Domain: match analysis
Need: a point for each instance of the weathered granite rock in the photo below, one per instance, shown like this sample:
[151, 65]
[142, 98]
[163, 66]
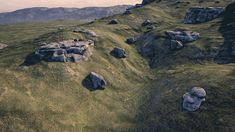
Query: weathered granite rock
[131, 40]
[197, 15]
[114, 21]
[2, 46]
[183, 36]
[119, 53]
[87, 32]
[66, 51]
[192, 100]
[96, 81]
[175, 45]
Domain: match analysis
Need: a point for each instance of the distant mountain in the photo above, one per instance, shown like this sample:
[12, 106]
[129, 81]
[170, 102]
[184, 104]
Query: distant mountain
[47, 14]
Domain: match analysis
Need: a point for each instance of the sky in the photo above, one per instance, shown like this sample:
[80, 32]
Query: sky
[11, 5]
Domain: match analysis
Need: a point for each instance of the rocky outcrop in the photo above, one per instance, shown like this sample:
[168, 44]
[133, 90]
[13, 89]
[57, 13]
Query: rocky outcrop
[114, 21]
[118, 52]
[183, 36]
[94, 81]
[2, 46]
[192, 100]
[66, 51]
[199, 14]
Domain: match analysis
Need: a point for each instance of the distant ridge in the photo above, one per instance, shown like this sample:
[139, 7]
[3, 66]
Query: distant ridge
[47, 14]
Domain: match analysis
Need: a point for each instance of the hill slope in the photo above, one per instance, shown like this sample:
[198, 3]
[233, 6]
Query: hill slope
[143, 93]
[39, 14]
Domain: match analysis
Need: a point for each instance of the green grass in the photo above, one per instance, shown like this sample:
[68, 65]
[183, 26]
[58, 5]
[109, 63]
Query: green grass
[138, 97]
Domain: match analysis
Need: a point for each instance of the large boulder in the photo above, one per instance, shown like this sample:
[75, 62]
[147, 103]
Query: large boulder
[197, 15]
[95, 81]
[2, 46]
[118, 52]
[65, 51]
[192, 100]
[183, 36]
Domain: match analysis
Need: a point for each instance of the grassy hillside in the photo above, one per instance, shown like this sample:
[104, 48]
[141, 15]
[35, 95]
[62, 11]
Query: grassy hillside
[143, 93]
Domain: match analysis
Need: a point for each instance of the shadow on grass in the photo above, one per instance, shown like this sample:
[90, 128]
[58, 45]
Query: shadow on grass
[227, 29]
[31, 59]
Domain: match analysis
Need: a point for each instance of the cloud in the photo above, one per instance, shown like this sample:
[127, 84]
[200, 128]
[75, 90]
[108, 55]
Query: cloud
[10, 5]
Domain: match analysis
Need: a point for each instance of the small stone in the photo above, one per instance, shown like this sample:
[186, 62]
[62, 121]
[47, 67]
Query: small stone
[131, 40]
[114, 21]
[127, 12]
[119, 53]
[146, 22]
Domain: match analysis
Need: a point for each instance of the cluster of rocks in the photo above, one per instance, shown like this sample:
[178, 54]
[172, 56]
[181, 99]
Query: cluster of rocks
[66, 51]
[192, 100]
[177, 39]
[86, 32]
[2, 46]
[197, 15]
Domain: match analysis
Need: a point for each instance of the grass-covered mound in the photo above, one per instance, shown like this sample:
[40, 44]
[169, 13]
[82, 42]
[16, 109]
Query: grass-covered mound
[143, 93]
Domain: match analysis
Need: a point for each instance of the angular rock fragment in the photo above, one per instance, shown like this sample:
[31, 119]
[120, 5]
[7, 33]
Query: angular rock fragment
[118, 52]
[2, 46]
[183, 36]
[197, 15]
[192, 100]
[65, 51]
[94, 81]
[114, 21]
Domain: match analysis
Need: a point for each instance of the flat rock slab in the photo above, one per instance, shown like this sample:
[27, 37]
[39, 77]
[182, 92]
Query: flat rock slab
[2, 46]
[197, 15]
[66, 51]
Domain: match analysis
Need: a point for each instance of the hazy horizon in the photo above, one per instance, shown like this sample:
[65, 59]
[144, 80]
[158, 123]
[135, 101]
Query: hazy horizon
[12, 5]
